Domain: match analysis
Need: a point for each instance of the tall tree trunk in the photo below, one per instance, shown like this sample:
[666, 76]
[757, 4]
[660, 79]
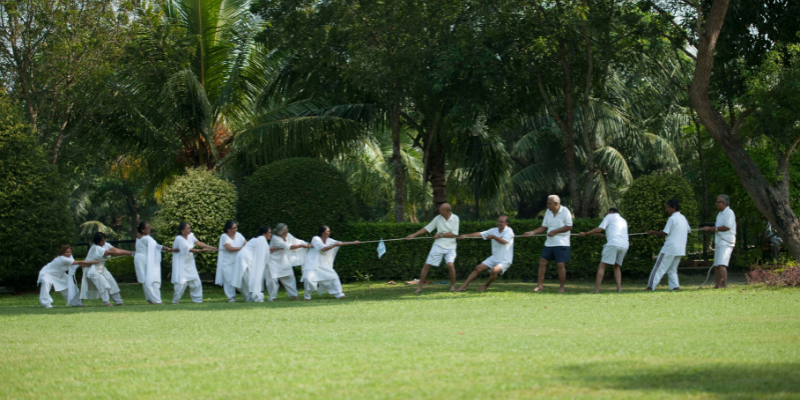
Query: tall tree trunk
[772, 201]
[438, 175]
[702, 179]
[569, 131]
[397, 161]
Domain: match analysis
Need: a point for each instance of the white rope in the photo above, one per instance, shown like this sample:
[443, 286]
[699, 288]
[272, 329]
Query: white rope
[516, 236]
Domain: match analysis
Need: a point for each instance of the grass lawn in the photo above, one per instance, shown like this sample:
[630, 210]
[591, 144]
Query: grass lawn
[743, 342]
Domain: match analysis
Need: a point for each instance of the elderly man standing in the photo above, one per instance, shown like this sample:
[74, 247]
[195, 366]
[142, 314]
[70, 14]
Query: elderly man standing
[558, 223]
[502, 238]
[616, 247]
[724, 240]
[677, 233]
[444, 245]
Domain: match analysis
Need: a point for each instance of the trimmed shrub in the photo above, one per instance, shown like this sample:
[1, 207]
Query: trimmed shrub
[34, 206]
[644, 207]
[303, 193]
[203, 200]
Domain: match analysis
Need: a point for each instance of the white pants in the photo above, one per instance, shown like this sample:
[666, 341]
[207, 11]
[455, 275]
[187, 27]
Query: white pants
[152, 292]
[195, 291]
[230, 290]
[332, 286]
[722, 255]
[47, 302]
[105, 283]
[289, 283]
[665, 264]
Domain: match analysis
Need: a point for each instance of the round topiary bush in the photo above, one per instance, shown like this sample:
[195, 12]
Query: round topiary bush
[34, 205]
[203, 200]
[644, 207]
[304, 193]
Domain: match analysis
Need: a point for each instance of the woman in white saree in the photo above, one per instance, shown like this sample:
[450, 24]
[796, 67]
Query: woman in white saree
[147, 261]
[97, 281]
[184, 268]
[289, 252]
[248, 272]
[230, 244]
[318, 273]
[59, 274]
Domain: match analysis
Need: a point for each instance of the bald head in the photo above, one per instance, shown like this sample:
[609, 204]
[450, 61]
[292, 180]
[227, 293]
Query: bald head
[445, 210]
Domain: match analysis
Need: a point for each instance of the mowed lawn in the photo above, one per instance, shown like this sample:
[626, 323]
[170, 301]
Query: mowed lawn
[509, 343]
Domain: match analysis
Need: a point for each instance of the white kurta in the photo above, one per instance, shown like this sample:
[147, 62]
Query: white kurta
[319, 264]
[226, 260]
[250, 264]
[147, 261]
[283, 259]
[184, 268]
[96, 279]
[60, 275]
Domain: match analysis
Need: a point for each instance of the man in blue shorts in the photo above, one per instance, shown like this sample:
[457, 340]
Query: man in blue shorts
[558, 223]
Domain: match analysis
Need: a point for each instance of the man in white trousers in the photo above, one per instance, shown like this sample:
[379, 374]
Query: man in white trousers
[724, 240]
[677, 233]
[444, 245]
[616, 247]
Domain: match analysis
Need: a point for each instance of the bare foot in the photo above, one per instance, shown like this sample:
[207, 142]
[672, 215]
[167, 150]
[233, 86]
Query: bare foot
[419, 289]
[619, 290]
[677, 288]
[462, 289]
[109, 305]
[648, 288]
[305, 299]
[149, 302]
[482, 288]
[538, 289]
[293, 298]
[716, 287]
[452, 288]
[561, 290]
[596, 291]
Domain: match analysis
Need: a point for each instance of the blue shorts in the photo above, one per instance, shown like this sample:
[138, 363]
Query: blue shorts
[559, 254]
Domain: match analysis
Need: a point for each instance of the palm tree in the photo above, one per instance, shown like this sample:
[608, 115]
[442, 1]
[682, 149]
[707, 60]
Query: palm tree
[202, 96]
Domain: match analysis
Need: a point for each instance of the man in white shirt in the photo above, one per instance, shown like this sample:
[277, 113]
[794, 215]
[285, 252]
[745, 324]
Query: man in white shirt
[616, 247]
[444, 245]
[724, 240]
[502, 238]
[558, 223]
[677, 233]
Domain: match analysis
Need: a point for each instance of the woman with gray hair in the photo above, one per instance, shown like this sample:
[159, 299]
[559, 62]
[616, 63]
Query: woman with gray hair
[289, 252]
[724, 240]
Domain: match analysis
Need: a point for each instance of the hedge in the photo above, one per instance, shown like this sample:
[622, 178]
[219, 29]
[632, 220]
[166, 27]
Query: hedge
[303, 193]
[34, 204]
[644, 207]
[203, 200]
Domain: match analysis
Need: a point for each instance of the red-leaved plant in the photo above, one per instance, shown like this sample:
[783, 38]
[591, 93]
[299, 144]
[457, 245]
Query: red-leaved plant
[781, 277]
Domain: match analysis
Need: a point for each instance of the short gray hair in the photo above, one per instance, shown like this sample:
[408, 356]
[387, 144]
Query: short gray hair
[280, 229]
[555, 198]
[725, 198]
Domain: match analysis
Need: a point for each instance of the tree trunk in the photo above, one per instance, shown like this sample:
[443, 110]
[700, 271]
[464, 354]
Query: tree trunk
[772, 201]
[703, 180]
[397, 161]
[438, 175]
[569, 132]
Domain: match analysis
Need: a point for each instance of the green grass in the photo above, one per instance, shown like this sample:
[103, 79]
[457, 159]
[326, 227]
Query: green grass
[508, 343]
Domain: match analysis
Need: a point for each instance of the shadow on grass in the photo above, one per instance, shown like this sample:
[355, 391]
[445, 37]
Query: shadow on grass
[726, 381]
[214, 299]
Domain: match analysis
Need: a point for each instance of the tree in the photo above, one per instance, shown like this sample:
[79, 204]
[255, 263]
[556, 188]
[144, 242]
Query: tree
[771, 104]
[59, 57]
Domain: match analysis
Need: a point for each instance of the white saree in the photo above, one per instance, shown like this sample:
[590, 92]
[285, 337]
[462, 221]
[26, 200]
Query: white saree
[281, 263]
[148, 267]
[184, 270]
[318, 272]
[226, 264]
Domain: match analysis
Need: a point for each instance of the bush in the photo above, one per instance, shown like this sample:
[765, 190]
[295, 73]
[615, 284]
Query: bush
[404, 259]
[780, 277]
[34, 205]
[304, 193]
[205, 202]
[643, 206]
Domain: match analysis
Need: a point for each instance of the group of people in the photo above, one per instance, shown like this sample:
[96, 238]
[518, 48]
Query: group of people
[267, 260]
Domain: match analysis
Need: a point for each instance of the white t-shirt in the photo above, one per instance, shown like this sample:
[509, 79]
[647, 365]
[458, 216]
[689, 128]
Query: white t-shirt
[502, 253]
[726, 218]
[442, 225]
[616, 229]
[677, 230]
[551, 222]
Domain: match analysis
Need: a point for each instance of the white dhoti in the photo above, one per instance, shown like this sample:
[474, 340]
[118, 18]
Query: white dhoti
[665, 264]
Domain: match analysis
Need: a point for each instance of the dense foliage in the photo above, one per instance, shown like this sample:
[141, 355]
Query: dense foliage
[303, 193]
[34, 211]
[644, 207]
[203, 200]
